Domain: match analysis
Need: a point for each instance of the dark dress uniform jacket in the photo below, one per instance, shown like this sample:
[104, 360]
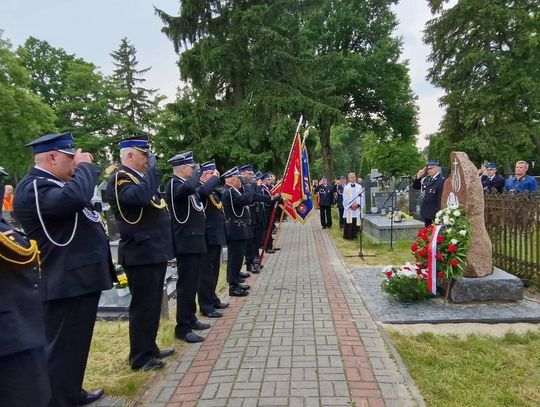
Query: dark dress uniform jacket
[84, 265]
[237, 215]
[496, 184]
[188, 223]
[432, 191]
[339, 200]
[148, 241]
[326, 195]
[21, 316]
[215, 217]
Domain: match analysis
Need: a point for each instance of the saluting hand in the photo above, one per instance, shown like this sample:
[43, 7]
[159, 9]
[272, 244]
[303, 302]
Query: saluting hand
[81, 157]
[421, 173]
[216, 173]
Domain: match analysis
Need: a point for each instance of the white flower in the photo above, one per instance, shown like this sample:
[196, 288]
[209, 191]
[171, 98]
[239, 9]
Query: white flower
[386, 269]
[438, 214]
[462, 232]
[451, 221]
[456, 213]
[448, 231]
[454, 241]
[452, 207]
[446, 220]
[437, 220]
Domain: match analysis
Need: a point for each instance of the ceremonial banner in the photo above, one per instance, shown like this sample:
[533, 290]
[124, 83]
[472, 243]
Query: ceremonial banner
[291, 186]
[432, 260]
[303, 210]
[286, 206]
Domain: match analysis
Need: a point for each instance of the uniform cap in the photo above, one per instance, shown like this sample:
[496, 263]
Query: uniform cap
[491, 165]
[266, 175]
[182, 159]
[233, 172]
[209, 166]
[432, 163]
[62, 142]
[138, 141]
[246, 168]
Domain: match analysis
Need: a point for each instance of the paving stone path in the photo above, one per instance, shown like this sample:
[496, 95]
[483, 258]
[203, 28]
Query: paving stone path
[303, 337]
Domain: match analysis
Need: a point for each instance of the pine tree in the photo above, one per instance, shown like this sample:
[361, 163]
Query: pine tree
[137, 106]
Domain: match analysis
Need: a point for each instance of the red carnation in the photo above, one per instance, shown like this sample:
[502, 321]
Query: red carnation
[440, 274]
[389, 274]
[423, 237]
[452, 248]
[454, 262]
[414, 247]
[440, 239]
[421, 232]
[438, 256]
[422, 253]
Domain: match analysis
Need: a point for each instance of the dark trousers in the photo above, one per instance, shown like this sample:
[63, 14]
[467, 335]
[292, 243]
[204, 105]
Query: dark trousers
[210, 264]
[189, 271]
[236, 250]
[341, 218]
[326, 216]
[69, 325]
[146, 285]
[428, 222]
[23, 379]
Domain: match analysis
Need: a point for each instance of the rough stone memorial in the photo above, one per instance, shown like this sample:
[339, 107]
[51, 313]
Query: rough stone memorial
[482, 281]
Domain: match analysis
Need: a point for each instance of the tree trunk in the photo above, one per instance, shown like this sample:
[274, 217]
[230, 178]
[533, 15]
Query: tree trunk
[326, 148]
[536, 141]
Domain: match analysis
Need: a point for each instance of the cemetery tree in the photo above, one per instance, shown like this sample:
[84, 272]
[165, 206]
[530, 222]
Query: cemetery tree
[485, 55]
[356, 68]
[23, 115]
[137, 106]
[246, 80]
[78, 93]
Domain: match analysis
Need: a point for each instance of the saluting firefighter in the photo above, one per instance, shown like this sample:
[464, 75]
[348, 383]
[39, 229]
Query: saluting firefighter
[431, 183]
[23, 365]
[53, 206]
[216, 238]
[145, 246]
[237, 224]
[188, 229]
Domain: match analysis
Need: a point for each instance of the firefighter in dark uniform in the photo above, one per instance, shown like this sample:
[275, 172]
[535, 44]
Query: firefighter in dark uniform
[430, 182]
[339, 199]
[236, 202]
[189, 241]
[145, 246]
[53, 206]
[266, 185]
[23, 365]
[216, 238]
[491, 181]
[326, 199]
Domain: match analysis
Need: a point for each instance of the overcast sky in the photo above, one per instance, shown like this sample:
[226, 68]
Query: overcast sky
[92, 29]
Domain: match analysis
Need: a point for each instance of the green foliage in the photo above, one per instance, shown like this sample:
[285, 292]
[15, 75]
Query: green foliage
[136, 107]
[22, 113]
[485, 55]
[405, 288]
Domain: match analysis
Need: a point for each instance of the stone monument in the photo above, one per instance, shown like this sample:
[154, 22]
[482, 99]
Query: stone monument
[463, 187]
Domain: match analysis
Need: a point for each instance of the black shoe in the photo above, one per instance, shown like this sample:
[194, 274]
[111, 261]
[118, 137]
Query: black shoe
[237, 292]
[244, 275]
[200, 326]
[190, 337]
[256, 271]
[277, 248]
[87, 398]
[213, 314]
[241, 280]
[324, 227]
[165, 353]
[270, 251]
[244, 286]
[221, 305]
[152, 364]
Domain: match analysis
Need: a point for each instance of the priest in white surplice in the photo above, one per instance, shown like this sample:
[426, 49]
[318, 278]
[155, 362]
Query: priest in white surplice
[353, 207]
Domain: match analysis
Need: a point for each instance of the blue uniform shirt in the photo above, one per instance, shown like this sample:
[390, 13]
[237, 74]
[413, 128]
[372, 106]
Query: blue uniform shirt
[525, 184]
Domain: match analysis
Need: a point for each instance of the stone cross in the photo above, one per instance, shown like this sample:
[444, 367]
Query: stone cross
[463, 187]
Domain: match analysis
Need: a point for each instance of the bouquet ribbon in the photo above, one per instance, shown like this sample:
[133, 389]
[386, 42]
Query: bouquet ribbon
[432, 261]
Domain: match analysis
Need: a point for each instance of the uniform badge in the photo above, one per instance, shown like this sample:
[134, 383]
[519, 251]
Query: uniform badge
[92, 215]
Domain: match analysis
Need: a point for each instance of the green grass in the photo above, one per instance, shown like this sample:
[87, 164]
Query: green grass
[376, 253]
[108, 366]
[477, 371]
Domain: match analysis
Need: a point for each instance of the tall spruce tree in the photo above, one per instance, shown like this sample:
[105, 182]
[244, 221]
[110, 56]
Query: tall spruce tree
[485, 55]
[136, 105]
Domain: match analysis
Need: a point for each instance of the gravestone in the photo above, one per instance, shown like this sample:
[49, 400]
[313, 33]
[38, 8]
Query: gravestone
[463, 187]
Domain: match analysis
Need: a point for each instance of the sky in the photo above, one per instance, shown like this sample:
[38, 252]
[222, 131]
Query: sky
[93, 29]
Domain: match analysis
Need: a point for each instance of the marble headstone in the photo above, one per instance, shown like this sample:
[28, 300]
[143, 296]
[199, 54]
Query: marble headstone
[463, 187]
